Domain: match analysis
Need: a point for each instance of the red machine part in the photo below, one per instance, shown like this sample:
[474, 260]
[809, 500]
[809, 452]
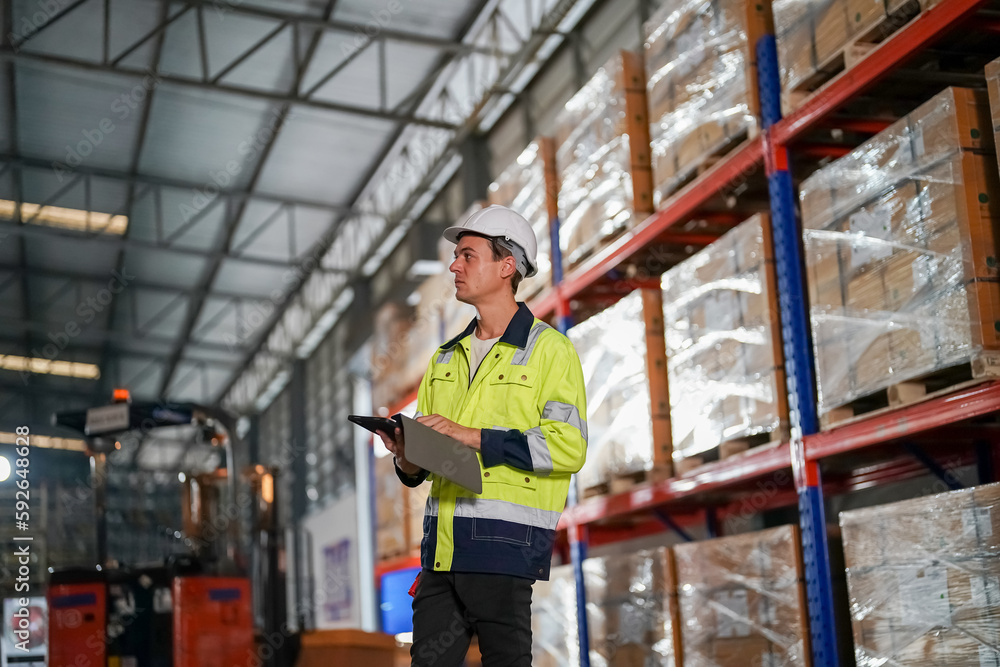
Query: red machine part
[213, 622]
[77, 625]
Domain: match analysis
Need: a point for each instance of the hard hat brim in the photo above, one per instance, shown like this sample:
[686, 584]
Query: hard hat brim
[451, 234]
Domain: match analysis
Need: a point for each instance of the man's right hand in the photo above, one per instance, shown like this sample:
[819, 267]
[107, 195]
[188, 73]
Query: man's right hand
[395, 444]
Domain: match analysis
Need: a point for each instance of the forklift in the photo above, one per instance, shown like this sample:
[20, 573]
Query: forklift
[210, 608]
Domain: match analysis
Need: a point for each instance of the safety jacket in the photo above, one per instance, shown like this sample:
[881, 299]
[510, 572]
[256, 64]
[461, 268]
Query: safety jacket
[528, 397]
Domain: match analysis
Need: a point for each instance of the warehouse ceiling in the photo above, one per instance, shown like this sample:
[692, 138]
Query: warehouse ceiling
[188, 190]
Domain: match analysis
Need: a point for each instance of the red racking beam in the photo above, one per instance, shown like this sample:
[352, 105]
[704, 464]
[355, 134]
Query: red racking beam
[964, 404]
[755, 463]
[909, 41]
[741, 163]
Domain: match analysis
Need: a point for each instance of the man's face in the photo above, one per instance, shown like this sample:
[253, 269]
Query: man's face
[478, 277]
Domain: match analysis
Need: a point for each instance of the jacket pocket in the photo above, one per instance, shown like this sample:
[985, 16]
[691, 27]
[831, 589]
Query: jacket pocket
[496, 530]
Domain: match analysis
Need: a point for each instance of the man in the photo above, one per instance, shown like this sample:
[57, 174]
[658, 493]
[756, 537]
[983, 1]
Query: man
[511, 388]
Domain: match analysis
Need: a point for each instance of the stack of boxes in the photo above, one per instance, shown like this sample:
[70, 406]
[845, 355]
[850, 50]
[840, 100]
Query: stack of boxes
[742, 600]
[901, 248]
[702, 85]
[924, 580]
[612, 349]
[632, 609]
[602, 158]
[390, 347]
[529, 187]
[723, 336]
[816, 38]
[554, 638]
[399, 512]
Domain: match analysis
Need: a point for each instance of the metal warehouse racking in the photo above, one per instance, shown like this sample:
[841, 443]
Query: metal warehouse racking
[888, 445]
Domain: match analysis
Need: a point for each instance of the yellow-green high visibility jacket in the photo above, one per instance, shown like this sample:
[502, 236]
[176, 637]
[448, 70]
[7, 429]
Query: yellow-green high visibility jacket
[528, 399]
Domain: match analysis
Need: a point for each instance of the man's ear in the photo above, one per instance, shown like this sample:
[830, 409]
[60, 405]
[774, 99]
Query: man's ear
[508, 268]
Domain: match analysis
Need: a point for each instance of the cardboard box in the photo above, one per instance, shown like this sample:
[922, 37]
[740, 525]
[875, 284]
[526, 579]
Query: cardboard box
[725, 361]
[742, 600]
[924, 580]
[632, 608]
[917, 242]
[702, 85]
[602, 153]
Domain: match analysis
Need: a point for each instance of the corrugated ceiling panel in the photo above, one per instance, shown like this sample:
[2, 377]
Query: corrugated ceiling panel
[275, 241]
[77, 118]
[181, 270]
[77, 35]
[271, 67]
[195, 135]
[47, 186]
[140, 376]
[91, 256]
[438, 18]
[409, 64]
[130, 21]
[234, 325]
[323, 156]
[250, 279]
[179, 217]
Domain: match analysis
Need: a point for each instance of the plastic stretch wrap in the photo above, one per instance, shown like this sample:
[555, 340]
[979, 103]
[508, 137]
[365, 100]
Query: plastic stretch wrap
[722, 330]
[555, 640]
[632, 609]
[390, 349]
[593, 159]
[406, 336]
[816, 37]
[924, 580]
[993, 84]
[696, 64]
[742, 600]
[900, 239]
[521, 187]
[399, 511]
[612, 349]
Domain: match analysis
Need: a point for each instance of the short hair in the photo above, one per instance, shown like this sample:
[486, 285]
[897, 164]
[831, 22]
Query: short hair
[499, 252]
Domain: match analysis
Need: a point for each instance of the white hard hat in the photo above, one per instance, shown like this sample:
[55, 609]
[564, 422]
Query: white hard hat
[506, 225]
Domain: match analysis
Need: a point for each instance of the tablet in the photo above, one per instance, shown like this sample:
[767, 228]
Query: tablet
[387, 425]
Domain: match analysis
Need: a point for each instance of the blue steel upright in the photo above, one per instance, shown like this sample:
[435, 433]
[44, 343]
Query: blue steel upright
[799, 365]
[577, 541]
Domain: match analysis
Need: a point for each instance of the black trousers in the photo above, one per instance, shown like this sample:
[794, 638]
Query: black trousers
[450, 607]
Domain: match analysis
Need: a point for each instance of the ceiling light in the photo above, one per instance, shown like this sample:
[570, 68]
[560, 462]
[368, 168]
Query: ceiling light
[73, 444]
[72, 369]
[4, 469]
[65, 218]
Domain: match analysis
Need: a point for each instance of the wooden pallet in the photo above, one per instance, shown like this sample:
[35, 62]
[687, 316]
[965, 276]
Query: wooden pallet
[626, 482]
[691, 171]
[732, 448]
[855, 50]
[984, 368]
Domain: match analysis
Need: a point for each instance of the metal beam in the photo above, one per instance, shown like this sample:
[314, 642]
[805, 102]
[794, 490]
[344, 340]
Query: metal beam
[148, 285]
[224, 88]
[45, 328]
[328, 241]
[21, 162]
[361, 30]
[47, 232]
[229, 231]
[140, 141]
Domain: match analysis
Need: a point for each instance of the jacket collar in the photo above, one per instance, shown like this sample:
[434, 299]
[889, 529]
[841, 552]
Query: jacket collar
[516, 333]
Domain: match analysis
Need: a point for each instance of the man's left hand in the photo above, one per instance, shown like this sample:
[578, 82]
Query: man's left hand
[465, 435]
